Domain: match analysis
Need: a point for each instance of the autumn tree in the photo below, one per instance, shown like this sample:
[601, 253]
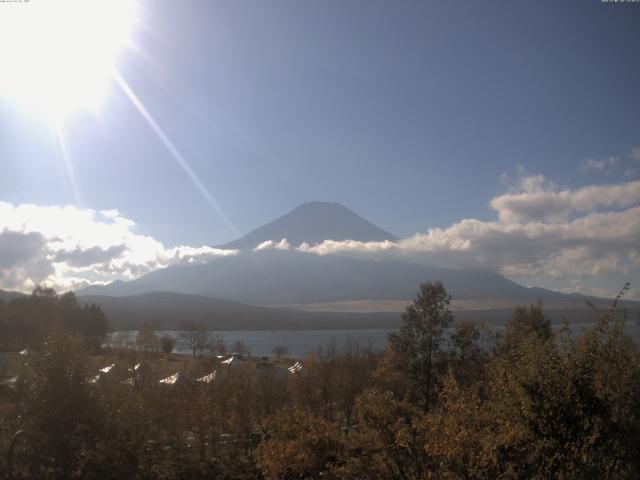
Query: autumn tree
[167, 344]
[272, 387]
[195, 336]
[561, 408]
[88, 319]
[462, 435]
[525, 322]
[468, 354]
[59, 410]
[218, 345]
[298, 444]
[240, 347]
[315, 387]
[353, 374]
[390, 441]
[26, 321]
[418, 344]
[146, 339]
[279, 351]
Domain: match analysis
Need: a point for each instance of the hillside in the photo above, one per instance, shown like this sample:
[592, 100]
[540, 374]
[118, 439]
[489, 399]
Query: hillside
[274, 277]
[7, 296]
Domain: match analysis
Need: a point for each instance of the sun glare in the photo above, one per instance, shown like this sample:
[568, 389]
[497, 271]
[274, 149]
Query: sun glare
[58, 56]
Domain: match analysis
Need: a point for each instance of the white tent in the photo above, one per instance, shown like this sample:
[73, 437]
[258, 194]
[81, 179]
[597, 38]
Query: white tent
[207, 378]
[140, 374]
[135, 368]
[295, 368]
[234, 359]
[103, 374]
[11, 382]
[176, 378]
[108, 368]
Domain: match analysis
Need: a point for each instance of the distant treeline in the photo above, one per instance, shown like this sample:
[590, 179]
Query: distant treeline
[525, 404]
[26, 321]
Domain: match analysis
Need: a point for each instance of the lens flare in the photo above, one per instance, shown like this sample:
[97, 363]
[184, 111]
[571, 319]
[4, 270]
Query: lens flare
[57, 56]
[173, 150]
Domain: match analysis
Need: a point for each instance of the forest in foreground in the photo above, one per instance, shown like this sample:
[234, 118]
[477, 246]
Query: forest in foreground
[445, 400]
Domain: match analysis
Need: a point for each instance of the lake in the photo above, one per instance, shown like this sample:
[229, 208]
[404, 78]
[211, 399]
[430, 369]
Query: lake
[297, 342]
[301, 342]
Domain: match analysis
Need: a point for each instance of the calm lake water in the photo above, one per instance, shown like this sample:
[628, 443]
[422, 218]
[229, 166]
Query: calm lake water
[301, 342]
[262, 342]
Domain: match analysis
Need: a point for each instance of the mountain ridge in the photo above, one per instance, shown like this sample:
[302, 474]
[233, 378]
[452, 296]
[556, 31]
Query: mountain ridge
[313, 222]
[7, 295]
[286, 277]
[289, 277]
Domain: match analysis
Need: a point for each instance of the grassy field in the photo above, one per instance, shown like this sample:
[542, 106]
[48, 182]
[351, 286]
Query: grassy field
[398, 306]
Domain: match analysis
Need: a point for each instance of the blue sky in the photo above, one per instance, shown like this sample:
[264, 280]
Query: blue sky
[412, 114]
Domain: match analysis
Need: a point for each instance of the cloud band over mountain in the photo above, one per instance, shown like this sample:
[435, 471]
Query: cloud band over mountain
[541, 232]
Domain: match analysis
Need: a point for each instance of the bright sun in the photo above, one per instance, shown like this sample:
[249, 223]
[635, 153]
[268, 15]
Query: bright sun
[58, 56]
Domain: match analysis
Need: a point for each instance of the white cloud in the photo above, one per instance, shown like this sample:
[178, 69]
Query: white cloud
[348, 246]
[535, 199]
[591, 245]
[529, 239]
[605, 165]
[67, 247]
[613, 164]
[113, 213]
[271, 245]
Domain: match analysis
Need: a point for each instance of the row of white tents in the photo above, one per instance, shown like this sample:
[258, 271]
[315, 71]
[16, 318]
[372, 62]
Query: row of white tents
[139, 373]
